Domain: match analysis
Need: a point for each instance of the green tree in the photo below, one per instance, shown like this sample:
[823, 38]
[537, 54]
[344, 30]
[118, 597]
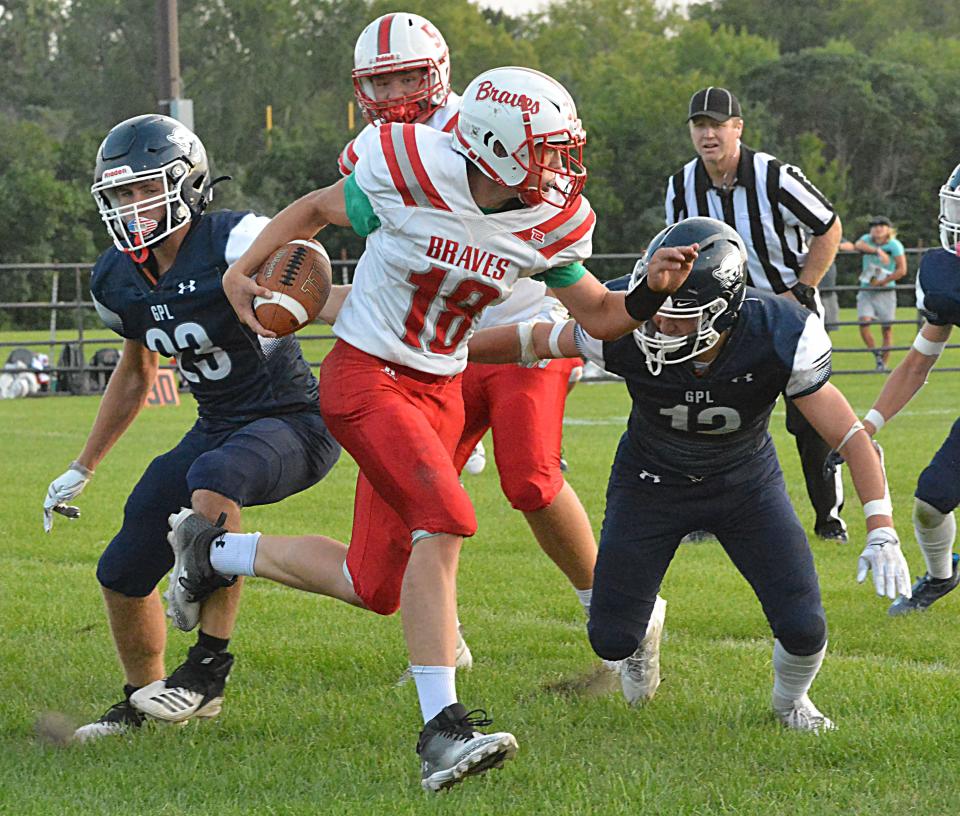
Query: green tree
[880, 123]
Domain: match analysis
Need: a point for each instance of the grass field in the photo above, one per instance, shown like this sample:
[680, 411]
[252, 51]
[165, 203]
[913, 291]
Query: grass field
[313, 722]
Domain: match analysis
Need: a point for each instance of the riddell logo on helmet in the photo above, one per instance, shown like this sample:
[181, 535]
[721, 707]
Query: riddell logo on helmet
[487, 90]
[114, 172]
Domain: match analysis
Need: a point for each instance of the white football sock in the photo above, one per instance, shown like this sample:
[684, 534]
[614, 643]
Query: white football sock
[234, 553]
[436, 688]
[793, 675]
[935, 534]
[585, 596]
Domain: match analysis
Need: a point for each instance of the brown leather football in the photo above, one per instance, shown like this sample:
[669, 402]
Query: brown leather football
[300, 276]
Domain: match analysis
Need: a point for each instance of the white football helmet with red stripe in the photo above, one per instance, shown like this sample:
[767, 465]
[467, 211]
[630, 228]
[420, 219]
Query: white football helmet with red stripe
[506, 116]
[401, 42]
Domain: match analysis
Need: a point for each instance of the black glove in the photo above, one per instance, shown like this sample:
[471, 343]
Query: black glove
[831, 463]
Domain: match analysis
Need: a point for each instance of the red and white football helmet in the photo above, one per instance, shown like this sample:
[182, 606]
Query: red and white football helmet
[401, 42]
[505, 115]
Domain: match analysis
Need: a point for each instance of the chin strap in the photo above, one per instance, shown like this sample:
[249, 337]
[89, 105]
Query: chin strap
[140, 255]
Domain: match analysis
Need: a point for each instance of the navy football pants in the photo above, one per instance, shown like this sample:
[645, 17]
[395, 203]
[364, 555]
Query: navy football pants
[750, 513]
[258, 463]
[939, 483]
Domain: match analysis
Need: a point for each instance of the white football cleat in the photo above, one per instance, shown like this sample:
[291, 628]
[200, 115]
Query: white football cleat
[194, 689]
[192, 579]
[451, 749]
[640, 673]
[464, 655]
[477, 461]
[803, 715]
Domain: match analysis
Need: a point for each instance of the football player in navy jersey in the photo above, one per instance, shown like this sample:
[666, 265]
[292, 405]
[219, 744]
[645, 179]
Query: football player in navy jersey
[258, 439]
[938, 488]
[704, 375]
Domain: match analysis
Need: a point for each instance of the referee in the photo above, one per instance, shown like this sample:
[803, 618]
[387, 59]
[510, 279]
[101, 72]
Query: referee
[791, 232]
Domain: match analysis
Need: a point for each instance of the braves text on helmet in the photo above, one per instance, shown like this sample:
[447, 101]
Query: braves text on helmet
[401, 42]
[150, 148]
[487, 90]
[520, 128]
[712, 293]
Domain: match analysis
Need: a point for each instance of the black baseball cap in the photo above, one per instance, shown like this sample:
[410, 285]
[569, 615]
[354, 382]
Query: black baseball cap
[717, 103]
[880, 221]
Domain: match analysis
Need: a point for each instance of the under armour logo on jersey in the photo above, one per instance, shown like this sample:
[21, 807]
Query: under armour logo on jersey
[748, 377]
[189, 286]
[644, 475]
[536, 235]
[389, 372]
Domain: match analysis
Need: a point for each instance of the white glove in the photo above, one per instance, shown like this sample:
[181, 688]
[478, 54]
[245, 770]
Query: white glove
[891, 575]
[63, 489]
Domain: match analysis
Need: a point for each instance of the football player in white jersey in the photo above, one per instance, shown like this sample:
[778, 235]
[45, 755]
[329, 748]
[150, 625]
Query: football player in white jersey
[402, 74]
[452, 221]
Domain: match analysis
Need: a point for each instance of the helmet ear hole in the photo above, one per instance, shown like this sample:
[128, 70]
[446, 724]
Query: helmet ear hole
[499, 150]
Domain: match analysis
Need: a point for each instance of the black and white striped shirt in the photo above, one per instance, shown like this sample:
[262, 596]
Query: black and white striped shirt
[772, 205]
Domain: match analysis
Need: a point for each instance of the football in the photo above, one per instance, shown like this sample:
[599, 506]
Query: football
[299, 276]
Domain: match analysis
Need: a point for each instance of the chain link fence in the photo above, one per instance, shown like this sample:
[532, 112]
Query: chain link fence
[72, 321]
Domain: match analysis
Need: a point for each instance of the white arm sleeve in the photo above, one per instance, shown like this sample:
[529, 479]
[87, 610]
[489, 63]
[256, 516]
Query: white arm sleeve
[242, 235]
[589, 347]
[110, 318]
[811, 360]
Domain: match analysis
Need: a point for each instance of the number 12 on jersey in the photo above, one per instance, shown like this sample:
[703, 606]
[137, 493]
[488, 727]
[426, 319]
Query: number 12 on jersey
[436, 322]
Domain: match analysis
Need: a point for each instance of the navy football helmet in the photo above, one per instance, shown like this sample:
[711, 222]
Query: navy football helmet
[950, 213]
[150, 148]
[712, 293]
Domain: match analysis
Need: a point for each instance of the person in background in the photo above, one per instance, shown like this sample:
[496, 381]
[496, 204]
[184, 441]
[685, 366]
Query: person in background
[791, 232]
[883, 264]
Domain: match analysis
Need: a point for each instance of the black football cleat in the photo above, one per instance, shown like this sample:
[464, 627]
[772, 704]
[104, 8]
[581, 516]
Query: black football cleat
[926, 591]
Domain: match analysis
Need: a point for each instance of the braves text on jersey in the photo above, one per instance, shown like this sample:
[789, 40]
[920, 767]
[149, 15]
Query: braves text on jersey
[433, 260]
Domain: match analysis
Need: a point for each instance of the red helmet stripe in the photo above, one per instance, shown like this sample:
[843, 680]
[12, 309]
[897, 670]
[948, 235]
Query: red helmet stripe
[383, 34]
[452, 123]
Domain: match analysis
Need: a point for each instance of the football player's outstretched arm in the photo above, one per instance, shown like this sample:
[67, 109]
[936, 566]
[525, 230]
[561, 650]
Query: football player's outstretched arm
[303, 219]
[122, 401]
[526, 343]
[908, 377]
[831, 416]
[608, 315]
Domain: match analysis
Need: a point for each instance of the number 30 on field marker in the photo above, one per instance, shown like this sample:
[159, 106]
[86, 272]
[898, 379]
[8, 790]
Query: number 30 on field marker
[164, 390]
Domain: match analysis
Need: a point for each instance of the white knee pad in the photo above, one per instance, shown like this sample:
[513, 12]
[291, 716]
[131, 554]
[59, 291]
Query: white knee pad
[927, 517]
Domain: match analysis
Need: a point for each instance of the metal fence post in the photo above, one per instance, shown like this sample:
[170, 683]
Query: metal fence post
[82, 374]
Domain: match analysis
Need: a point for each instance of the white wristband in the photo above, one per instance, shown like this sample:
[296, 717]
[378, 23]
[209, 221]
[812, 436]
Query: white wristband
[553, 342]
[928, 347]
[875, 418]
[525, 334]
[83, 470]
[878, 507]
